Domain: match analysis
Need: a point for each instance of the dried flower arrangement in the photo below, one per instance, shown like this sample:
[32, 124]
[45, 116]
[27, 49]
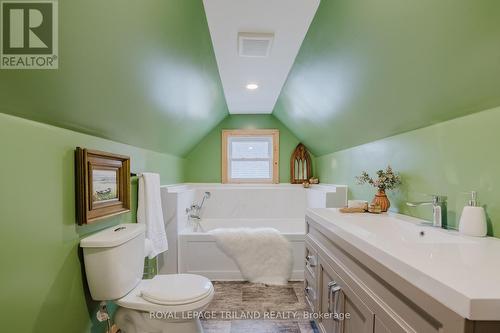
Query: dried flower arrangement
[386, 180]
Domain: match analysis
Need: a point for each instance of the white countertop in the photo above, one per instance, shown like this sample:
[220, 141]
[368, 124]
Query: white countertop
[461, 272]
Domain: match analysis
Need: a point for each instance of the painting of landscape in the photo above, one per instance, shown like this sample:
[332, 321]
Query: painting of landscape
[104, 185]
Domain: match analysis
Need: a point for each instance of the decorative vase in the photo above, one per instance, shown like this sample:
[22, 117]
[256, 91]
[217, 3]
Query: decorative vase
[382, 200]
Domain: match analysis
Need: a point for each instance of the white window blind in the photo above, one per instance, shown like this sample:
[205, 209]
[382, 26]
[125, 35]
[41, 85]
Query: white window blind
[250, 158]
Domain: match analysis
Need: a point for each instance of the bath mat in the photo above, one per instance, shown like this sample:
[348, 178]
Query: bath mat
[263, 255]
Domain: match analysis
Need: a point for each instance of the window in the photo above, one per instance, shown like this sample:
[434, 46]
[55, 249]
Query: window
[250, 156]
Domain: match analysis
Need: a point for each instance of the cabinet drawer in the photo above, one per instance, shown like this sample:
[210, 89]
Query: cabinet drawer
[311, 260]
[310, 293]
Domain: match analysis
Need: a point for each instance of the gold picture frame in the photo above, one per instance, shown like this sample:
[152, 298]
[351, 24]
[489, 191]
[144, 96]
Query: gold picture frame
[102, 185]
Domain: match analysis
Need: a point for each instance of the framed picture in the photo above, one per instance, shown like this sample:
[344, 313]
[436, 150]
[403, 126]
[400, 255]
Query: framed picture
[102, 185]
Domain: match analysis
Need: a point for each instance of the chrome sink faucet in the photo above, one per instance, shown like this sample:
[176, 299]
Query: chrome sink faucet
[194, 210]
[439, 210]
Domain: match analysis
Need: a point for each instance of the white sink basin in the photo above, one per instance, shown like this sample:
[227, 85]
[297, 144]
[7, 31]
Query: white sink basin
[395, 228]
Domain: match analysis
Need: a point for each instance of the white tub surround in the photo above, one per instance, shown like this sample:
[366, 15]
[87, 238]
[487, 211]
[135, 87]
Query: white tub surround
[174, 215]
[446, 275]
[261, 200]
[279, 206]
[199, 253]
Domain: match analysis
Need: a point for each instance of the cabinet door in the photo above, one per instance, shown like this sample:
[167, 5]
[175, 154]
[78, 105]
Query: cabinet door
[380, 327]
[326, 277]
[337, 300]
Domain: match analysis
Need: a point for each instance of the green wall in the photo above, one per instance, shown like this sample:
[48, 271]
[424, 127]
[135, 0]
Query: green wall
[138, 72]
[203, 163]
[41, 285]
[372, 69]
[447, 158]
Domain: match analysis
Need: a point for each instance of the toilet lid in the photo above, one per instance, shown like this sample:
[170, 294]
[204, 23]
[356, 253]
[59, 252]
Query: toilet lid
[174, 289]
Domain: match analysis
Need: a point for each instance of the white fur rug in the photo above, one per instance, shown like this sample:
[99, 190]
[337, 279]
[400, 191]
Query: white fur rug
[263, 255]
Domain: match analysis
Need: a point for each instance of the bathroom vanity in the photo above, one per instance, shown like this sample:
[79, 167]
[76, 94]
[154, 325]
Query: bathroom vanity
[390, 273]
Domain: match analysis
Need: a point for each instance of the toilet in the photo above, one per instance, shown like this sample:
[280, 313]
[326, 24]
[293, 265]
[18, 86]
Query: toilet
[114, 260]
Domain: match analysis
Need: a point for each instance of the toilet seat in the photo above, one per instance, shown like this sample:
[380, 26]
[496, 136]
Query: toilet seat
[175, 289]
[136, 301]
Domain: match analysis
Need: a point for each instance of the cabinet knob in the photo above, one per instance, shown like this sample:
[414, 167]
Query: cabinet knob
[311, 261]
[310, 293]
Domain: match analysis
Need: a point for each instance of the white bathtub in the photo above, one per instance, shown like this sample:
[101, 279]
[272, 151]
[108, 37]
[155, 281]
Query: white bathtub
[199, 254]
[280, 206]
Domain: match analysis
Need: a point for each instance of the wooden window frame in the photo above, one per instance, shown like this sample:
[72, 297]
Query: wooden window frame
[273, 133]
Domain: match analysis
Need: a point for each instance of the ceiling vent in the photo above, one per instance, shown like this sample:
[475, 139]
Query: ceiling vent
[254, 45]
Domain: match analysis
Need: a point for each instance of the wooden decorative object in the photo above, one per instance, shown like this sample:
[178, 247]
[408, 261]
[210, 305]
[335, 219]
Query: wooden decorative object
[349, 210]
[381, 200]
[102, 185]
[300, 165]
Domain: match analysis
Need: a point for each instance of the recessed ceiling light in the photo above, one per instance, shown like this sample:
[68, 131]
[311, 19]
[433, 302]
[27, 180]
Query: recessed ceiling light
[252, 86]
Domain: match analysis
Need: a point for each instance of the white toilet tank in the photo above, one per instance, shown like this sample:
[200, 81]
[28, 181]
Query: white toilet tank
[114, 260]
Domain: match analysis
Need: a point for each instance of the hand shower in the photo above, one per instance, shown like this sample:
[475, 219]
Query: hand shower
[194, 211]
[206, 196]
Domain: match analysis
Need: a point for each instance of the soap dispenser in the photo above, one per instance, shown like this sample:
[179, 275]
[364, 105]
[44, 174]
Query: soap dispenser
[473, 218]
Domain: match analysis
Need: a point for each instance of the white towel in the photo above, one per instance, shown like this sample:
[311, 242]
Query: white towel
[263, 255]
[150, 213]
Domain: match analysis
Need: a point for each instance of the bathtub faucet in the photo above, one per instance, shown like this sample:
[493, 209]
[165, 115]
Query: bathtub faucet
[195, 209]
